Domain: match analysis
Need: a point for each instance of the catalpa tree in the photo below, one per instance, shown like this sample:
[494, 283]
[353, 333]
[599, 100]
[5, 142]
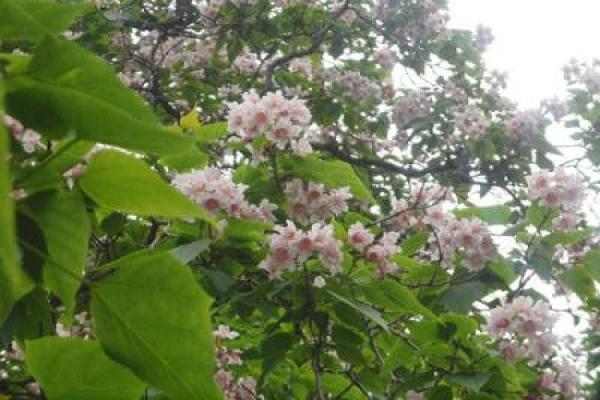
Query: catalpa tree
[288, 199]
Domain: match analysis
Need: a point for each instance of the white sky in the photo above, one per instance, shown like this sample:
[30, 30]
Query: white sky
[534, 39]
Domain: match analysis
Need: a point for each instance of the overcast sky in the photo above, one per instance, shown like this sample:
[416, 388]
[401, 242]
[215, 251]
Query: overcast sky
[534, 39]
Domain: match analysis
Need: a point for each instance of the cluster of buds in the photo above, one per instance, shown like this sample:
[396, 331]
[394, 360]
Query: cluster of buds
[243, 388]
[524, 328]
[289, 247]
[281, 121]
[558, 189]
[312, 202]
[28, 138]
[215, 192]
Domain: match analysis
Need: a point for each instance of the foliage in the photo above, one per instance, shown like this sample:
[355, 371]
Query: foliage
[286, 199]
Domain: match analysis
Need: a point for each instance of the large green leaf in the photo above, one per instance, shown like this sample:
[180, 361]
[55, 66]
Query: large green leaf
[121, 182]
[33, 19]
[152, 316]
[332, 173]
[403, 297]
[49, 174]
[75, 369]
[69, 89]
[14, 282]
[63, 219]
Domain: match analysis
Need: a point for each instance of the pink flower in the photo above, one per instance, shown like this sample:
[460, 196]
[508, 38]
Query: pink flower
[359, 236]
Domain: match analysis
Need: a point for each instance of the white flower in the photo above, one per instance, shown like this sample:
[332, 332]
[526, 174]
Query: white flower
[319, 282]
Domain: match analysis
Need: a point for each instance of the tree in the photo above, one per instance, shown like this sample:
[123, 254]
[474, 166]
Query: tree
[286, 199]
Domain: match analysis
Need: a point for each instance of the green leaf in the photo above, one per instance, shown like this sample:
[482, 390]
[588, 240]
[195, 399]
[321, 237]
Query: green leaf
[210, 133]
[580, 281]
[348, 344]
[182, 162]
[414, 242]
[459, 298]
[568, 237]
[364, 309]
[331, 173]
[74, 369]
[14, 282]
[403, 297]
[591, 261]
[246, 230]
[473, 382]
[49, 174]
[274, 348]
[187, 252]
[541, 216]
[493, 215]
[505, 271]
[33, 19]
[63, 220]
[31, 317]
[69, 89]
[152, 316]
[124, 183]
[540, 260]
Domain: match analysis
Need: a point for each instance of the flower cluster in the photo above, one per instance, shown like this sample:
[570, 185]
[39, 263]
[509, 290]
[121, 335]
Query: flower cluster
[471, 121]
[425, 207]
[302, 66]
[244, 388]
[524, 328]
[283, 122]
[412, 106]
[246, 62]
[561, 190]
[290, 246]
[483, 37]
[564, 382]
[469, 235]
[422, 20]
[312, 202]
[358, 87]
[216, 192]
[386, 58]
[379, 252]
[412, 212]
[28, 138]
[526, 124]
